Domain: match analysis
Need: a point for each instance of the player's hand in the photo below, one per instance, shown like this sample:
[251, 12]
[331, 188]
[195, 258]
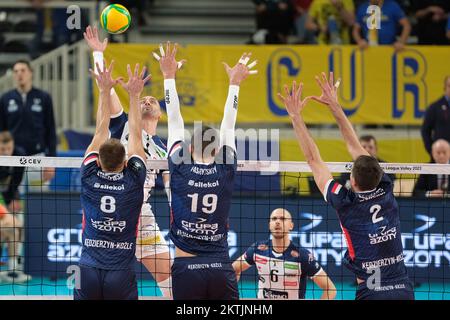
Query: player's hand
[136, 81]
[293, 100]
[363, 44]
[399, 46]
[240, 71]
[48, 174]
[93, 41]
[167, 62]
[329, 91]
[104, 78]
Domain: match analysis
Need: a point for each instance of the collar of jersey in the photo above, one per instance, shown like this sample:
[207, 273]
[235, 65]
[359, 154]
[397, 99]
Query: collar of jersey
[367, 191]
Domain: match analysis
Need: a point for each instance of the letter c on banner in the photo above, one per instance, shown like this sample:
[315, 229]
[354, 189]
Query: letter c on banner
[283, 67]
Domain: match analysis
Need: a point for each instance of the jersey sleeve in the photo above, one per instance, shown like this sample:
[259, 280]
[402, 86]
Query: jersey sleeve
[310, 266]
[89, 164]
[136, 166]
[117, 124]
[249, 255]
[335, 194]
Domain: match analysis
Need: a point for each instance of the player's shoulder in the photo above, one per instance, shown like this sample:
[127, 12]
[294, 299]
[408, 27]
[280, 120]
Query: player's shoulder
[262, 246]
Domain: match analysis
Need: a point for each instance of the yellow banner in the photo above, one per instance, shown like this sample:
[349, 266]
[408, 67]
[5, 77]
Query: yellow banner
[378, 86]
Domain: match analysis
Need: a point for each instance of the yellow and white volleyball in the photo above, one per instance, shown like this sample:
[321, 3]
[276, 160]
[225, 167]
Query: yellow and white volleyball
[115, 18]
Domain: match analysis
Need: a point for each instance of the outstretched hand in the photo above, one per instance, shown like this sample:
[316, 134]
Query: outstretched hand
[293, 100]
[240, 71]
[104, 77]
[93, 40]
[329, 91]
[136, 81]
[167, 62]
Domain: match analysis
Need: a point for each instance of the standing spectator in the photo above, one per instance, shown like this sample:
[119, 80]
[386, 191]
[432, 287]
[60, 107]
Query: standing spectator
[435, 186]
[431, 20]
[392, 16]
[274, 20]
[301, 8]
[27, 113]
[436, 124]
[10, 177]
[331, 20]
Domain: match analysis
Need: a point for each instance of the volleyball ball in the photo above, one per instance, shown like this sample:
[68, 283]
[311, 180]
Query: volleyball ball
[115, 19]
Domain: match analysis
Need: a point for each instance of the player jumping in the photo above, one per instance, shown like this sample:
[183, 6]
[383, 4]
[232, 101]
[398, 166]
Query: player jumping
[111, 198]
[368, 213]
[201, 182]
[151, 248]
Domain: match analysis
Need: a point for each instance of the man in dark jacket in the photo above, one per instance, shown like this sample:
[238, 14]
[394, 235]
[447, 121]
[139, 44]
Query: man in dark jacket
[10, 177]
[435, 185]
[27, 113]
[436, 124]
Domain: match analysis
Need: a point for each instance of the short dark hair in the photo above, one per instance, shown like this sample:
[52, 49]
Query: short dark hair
[367, 172]
[112, 154]
[368, 138]
[204, 137]
[6, 137]
[26, 62]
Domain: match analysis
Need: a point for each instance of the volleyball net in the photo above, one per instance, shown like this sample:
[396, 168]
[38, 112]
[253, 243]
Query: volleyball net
[49, 221]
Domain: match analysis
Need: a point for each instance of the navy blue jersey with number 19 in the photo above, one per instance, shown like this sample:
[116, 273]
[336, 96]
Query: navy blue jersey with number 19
[201, 199]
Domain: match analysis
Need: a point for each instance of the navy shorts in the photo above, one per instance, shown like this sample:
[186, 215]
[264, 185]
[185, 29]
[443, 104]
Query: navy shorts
[393, 290]
[101, 284]
[203, 278]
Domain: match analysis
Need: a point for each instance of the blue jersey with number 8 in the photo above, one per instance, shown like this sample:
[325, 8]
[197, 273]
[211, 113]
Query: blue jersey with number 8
[111, 204]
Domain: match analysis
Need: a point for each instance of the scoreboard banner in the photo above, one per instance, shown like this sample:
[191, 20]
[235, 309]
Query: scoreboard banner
[378, 86]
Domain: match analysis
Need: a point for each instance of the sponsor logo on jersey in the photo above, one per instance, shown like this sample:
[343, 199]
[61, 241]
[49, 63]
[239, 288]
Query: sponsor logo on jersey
[366, 197]
[290, 283]
[295, 254]
[383, 236]
[109, 187]
[200, 227]
[201, 184]
[103, 244]
[109, 225]
[204, 171]
[382, 262]
[110, 176]
[259, 259]
[273, 294]
[263, 247]
[291, 266]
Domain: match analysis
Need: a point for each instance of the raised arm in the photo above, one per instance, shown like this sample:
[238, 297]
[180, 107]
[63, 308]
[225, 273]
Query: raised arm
[169, 67]
[294, 105]
[134, 87]
[98, 47]
[105, 84]
[237, 74]
[329, 98]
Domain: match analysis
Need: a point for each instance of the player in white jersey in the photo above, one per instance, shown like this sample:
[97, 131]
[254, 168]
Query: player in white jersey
[151, 248]
[283, 267]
